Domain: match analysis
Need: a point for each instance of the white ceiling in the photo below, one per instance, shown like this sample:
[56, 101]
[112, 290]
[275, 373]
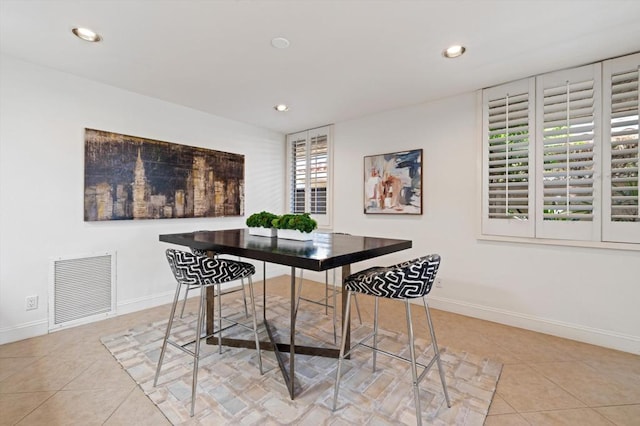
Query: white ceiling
[347, 58]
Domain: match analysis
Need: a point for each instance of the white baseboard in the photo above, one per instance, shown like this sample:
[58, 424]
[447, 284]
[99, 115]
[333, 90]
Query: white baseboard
[605, 338]
[599, 337]
[41, 327]
[24, 331]
[146, 302]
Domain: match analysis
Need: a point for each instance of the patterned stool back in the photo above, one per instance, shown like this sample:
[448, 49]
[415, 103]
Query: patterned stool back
[190, 269]
[406, 280]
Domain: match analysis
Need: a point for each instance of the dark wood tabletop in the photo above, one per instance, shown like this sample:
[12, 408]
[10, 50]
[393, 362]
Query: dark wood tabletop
[325, 251]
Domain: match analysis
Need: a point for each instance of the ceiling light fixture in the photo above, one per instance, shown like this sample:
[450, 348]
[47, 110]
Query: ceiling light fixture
[280, 42]
[86, 34]
[454, 51]
[281, 108]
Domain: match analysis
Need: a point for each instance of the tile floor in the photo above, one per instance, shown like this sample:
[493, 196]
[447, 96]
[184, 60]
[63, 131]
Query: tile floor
[69, 378]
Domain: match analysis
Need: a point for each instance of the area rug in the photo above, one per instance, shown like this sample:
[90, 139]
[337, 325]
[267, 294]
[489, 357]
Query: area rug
[232, 391]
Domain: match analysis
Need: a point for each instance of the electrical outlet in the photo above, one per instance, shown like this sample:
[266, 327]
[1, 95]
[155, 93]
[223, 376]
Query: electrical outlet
[439, 282]
[32, 303]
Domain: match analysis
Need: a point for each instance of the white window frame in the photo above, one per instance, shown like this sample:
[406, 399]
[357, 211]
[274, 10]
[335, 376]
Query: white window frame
[600, 231]
[324, 220]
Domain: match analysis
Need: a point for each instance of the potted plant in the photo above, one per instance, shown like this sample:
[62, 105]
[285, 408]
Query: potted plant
[295, 226]
[262, 224]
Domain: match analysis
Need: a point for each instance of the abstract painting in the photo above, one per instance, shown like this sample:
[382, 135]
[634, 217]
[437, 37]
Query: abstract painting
[393, 183]
[129, 177]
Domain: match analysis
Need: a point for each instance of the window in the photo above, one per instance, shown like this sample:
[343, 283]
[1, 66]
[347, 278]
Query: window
[309, 163]
[560, 155]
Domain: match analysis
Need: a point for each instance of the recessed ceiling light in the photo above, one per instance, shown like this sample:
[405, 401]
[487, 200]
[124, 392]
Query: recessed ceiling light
[281, 108]
[454, 51]
[280, 42]
[86, 34]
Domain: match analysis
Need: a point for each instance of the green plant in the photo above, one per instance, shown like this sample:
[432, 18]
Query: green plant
[261, 220]
[301, 222]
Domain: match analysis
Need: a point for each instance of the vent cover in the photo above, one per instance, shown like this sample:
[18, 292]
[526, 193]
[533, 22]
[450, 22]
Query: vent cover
[83, 289]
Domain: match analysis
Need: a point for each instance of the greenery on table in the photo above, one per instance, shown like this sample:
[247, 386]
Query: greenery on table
[300, 222]
[261, 220]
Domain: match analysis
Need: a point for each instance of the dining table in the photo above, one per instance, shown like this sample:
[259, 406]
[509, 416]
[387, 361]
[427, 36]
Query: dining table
[325, 251]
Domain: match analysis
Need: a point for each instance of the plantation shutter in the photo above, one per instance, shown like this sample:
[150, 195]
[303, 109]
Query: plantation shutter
[318, 178]
[621, 93]
[310, 173]
[567, 197]
[508, 159]
[298, 187]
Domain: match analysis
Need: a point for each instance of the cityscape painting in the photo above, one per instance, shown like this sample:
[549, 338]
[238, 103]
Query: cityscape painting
[129, 177]
[393, 183]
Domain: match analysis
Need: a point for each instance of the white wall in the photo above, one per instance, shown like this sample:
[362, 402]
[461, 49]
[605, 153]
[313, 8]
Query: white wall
[589, 294]
[43, 114]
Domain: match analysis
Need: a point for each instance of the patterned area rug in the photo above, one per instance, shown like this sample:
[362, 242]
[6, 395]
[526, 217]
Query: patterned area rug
[232, 391]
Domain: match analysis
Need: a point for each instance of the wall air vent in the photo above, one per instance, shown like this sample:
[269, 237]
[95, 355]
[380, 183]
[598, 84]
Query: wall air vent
[82, 289]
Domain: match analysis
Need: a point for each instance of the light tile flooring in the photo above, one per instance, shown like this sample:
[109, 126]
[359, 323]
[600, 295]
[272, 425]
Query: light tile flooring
[69, 378]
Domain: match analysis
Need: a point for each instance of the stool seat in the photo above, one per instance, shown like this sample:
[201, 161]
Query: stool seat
[205, 253]
[191, 269]
[406, 280]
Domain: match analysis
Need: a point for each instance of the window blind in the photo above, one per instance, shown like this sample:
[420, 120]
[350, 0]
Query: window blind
[318, 158]
[508, 122]
[299, 174]
[624, 147]
[568, 152]
[568, 194]
[621, 151]
[508, 151]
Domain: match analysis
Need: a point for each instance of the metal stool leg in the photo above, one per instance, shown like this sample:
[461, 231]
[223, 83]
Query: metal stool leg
[196, 356]
[375, 331]
[335, 310]
[343, 346]
[255, 324]
[219, 297]
[414, 371]
[436, 352]
[166, 334]
[326, 294]
[186, 294]
[244, 297]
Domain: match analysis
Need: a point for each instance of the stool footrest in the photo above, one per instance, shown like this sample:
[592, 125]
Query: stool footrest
[398, 357]
[183, 348]
[426, 367]
[321, 302]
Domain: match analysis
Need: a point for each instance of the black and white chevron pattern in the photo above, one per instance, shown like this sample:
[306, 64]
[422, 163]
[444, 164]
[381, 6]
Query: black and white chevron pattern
[190, 269]
[406, 280]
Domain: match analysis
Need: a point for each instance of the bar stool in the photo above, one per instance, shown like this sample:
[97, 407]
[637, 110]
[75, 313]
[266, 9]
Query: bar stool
[192, 270]
[199, 252]
[404, 281]
[325, 300]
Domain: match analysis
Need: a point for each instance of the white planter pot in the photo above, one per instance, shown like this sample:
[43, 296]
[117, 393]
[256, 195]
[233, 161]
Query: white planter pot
[263, 232]
[292, 234]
